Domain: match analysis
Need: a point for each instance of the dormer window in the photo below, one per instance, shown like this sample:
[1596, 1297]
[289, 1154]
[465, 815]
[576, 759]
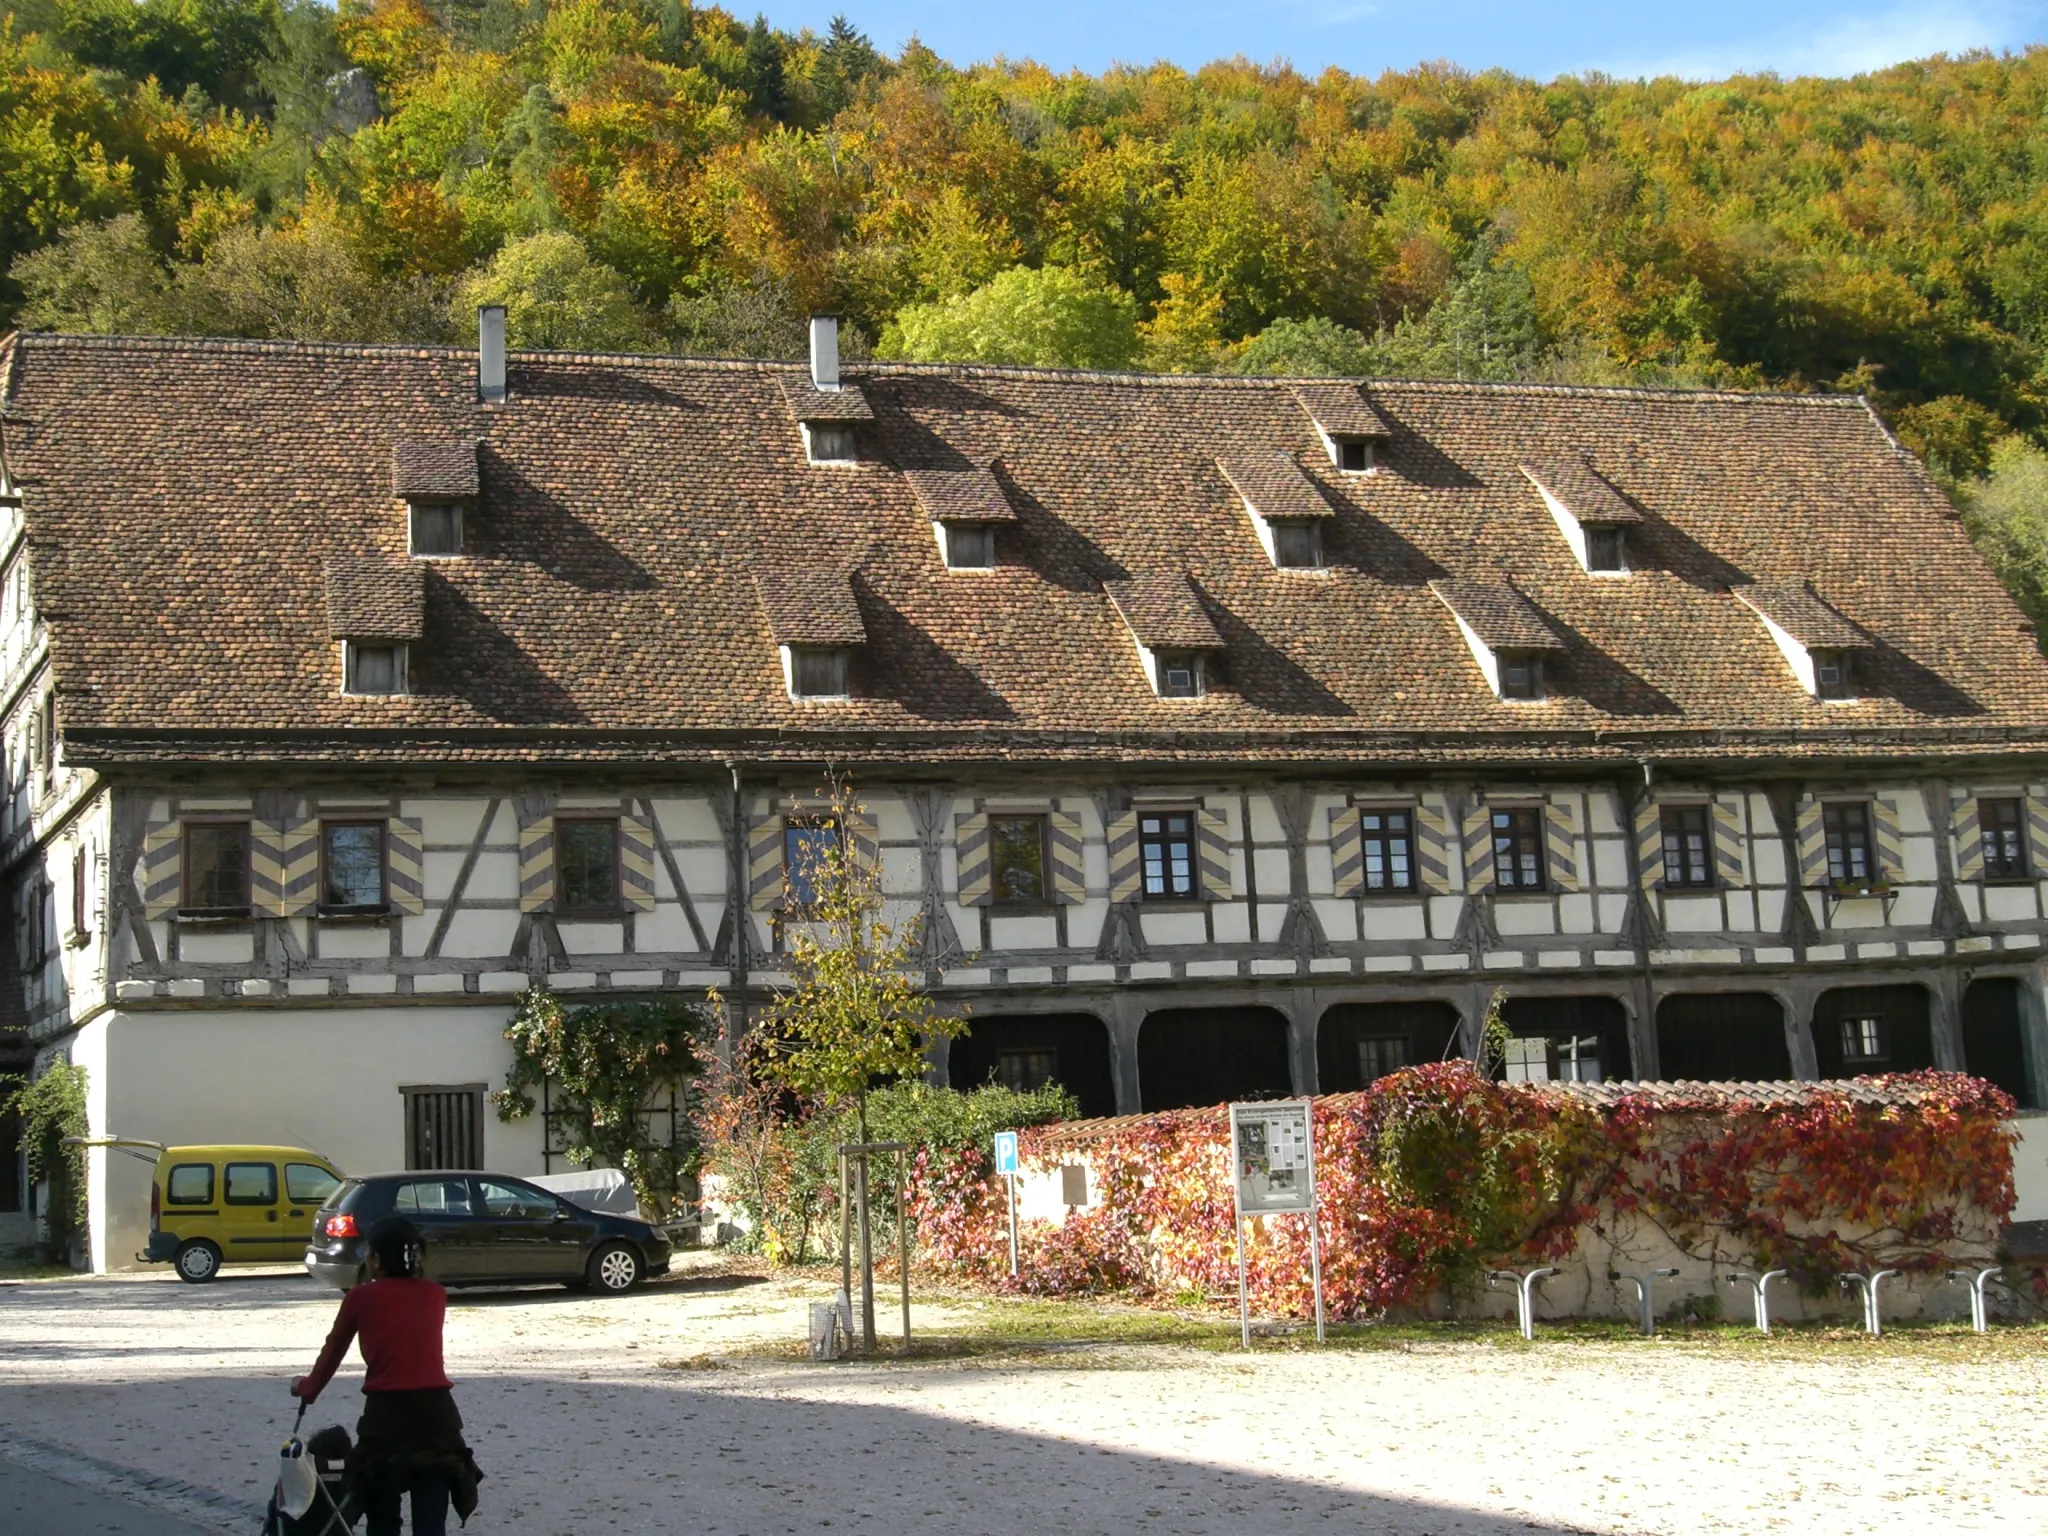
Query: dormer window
[1506, 634]
[1831, 675]
[436, 529]
[1818, 644]
[373, 667]
[815, 672]
[826, 409]
[1354, 454]
[1351, 431]
[1180, 674]
[376, 609]
[967, 546]
[1174, 634]
[1297, 546]
[816, 624]
[1521, 675]
[1286, 508]
[1606, 549]
[436, 481]
[827, 443]
[966, 506]
[1591, 514]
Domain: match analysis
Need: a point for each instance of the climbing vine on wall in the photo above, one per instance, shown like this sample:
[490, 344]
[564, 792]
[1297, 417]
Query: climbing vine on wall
[52, 1108]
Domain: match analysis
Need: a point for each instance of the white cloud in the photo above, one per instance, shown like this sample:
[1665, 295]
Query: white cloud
[1851, 43]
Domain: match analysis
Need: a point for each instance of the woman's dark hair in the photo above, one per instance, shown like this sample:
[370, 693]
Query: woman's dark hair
[396, 1242]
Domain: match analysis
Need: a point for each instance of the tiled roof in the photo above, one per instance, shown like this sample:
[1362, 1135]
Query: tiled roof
[1585, 493]
[376, 597]
[810, 605]
[1794, 608]
[961, 495]
[807, 402]
[1273, 485]
[1163, 613]
[1341, 410]
[429, 470]
[1501, 617]
[184, 497]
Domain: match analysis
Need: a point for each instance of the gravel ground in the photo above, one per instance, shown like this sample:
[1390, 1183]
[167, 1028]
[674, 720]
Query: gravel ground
[687, 1403]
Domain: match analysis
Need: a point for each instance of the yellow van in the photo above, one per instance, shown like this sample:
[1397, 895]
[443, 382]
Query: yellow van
[210, 1206]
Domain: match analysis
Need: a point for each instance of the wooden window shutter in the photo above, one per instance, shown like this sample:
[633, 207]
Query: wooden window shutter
[636, 863]
[1478, 850]
[163, 872]
[1069, 867]
[1433, 850]
[266, 868]
[1212, 834]
[970, 844]
[1126, 868]
[1811, 835]
[1884, 832]
[300, 858]
[1728, 861]
[1968, 827]
[2037, 835]
[1649, 830]
[1560, 844]
[1347, 859]
[405, 865]
[764, 863]
[537, 865]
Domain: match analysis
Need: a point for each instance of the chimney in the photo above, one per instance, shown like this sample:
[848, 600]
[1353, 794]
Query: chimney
[490, 354]
[825, 351]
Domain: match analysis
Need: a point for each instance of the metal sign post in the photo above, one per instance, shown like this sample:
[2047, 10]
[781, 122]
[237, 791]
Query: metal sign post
[1006, 1165]
[1273, 1170]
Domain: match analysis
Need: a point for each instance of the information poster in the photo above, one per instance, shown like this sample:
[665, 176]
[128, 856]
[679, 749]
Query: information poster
[1275, 1157]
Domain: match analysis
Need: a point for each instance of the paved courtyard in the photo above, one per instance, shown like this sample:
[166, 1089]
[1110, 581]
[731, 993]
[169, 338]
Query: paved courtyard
[669, 1409]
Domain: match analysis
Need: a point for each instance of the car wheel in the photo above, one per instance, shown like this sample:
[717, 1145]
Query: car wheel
[196, 1262]
[614, 1268]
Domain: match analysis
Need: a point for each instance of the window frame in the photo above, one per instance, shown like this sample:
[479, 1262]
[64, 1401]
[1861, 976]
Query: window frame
[1164, 840]
[1682, 881]
[1043, 899]
[186, 864]
[616, 902]
[949, 550]
[1877, 1034]
[226, 1180]
[1832, 816]
[1344, 448]
[1530, 692]
[1513, 814]
[1305, 528]
[81, 910]
[1998, 869]
[1197, 666]
[1370, 1075]
[841, 662]
[840, 431]
[1018, 1053]
[1385, 837]
[455, 508]
[1844, 684]
[170, 1185]
[818, 822]
[356, 909]
[1608, 540]
[351, 651]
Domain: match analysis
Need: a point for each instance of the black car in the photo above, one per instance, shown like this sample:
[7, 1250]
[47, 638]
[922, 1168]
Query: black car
[485, 1229]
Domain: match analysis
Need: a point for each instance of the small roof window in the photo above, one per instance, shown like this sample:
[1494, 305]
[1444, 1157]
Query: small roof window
[1287, 510]
[1175, 636]
[815, 620]
[827, 418]
[1593, 516]
[1818, 644]
[376, 608]
[1352, 432]
[1505, 632]
[966, 507]
[437, 481]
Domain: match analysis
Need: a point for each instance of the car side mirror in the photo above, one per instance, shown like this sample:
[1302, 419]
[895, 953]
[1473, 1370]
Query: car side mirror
[561, 1213]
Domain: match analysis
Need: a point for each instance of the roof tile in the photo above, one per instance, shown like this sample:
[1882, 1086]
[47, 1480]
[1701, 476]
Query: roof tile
[1341, 410]
[1796, 609]
[1163, 612]
[376, 598]
[1273, 485]
[421, 469]
[807, 402]
[1501, 617]
[810, 606]
[1585, 493]
[961, 495]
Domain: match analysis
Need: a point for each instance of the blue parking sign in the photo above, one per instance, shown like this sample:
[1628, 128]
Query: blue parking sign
[1006, 1151]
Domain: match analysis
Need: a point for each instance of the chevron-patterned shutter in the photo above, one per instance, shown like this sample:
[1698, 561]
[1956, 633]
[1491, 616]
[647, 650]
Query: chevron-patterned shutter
[405, 865]
[2037, 835]
[1812, 837]
[863, 844]
[1212, 834]
[266, 868]
[301, 861]
[1126, 868]
[1728, 865]
[636, 863]
[1968, 827]
[970, 843]
[1069, 868]
[537, 865]
[163, 871]
[1347, 858]
[764, 863]
[1884, 831]
[1649, 831]
[1433, 850]
[1560, 844]
[1478, 849]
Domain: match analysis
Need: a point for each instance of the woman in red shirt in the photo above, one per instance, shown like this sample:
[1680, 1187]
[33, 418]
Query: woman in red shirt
[410, 1434]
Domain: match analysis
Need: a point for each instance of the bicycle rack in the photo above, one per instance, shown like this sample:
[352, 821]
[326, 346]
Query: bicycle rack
[1644, 1282]
[1759, 1285]
[1873, 1322]
[1524, 1287]
[1977, 1280]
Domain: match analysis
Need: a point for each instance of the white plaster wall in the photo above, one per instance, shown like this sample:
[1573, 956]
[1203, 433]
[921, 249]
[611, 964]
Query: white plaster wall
[2030, 1166]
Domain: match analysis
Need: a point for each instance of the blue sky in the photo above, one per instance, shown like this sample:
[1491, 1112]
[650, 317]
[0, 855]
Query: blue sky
[1826, 37]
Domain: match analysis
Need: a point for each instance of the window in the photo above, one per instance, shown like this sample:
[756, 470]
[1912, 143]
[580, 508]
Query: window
[250, 1184]
[189, 1184]
[13, 1173]
[1863, 1039]
[1354, 455]
[1387, 847]
[352, 866]
[1554, 1059]
[1180, 675]
[1017, 859]
[1297, 546]
[46, 738]
[515, 1202]
[1831, 674]
[829, 445]
[1377, 1058]
[2004, 825]
[1166, 852]
[816, 673]
[587, 864]
[433, 1197]
[436, 528]
[81, 894]
[216, 867]
[1026, 1071]
[1606, 549]
[444, 1128]
[808, 847]
[35, 928]
[308, 1184]
[374, 669]
[1847, 824]
[968, 546]
[1521, 675]
[1518, 849]
[1688, 846]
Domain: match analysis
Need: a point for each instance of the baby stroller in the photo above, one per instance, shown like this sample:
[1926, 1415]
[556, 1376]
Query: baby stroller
[309, 1481]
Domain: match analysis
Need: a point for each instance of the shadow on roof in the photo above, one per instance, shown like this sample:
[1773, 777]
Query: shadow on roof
[1054, 548]
[1589, 673]
[1658, 544]
[468, 654]
[1370, 545]
[519, 520]
[929, 392]
[1265, 676]
[1419, 461]
[584, 381]
[1890, 673]
[908, 666]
